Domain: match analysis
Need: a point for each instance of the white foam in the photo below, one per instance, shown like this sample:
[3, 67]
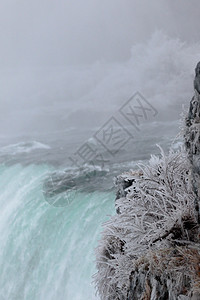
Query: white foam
[23, 147]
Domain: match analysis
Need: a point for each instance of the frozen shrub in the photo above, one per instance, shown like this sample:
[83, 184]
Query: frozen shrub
[153, 229]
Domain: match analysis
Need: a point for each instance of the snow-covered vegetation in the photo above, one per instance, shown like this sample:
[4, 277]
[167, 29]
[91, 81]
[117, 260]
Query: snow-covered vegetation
[152, 241]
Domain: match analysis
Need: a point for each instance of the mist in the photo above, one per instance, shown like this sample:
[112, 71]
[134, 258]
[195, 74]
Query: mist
[73, 32]
[66, 64]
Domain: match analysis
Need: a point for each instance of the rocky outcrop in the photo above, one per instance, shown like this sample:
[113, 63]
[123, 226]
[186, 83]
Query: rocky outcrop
[151, 248]
[192, 144]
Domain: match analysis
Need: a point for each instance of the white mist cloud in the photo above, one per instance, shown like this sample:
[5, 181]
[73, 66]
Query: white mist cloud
[48, 32]
[108, 42]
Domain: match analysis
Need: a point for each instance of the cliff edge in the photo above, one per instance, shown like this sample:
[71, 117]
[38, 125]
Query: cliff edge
[151, 248]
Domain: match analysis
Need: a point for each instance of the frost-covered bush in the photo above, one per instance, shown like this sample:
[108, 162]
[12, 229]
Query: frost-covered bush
[155, 222]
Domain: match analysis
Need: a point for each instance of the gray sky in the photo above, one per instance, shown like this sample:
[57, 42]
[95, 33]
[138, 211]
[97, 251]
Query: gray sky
[37, 37]
[49, 32]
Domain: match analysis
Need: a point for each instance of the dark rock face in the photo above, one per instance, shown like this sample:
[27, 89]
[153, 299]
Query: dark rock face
[197, 78]
[192, 139]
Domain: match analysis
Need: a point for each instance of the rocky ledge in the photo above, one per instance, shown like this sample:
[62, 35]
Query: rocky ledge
[151, 248]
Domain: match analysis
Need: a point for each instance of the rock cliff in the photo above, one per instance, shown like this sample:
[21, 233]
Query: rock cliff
[151, 248]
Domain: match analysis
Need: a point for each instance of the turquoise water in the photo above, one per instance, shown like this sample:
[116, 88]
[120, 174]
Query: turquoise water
[47, 252]
[51, 213]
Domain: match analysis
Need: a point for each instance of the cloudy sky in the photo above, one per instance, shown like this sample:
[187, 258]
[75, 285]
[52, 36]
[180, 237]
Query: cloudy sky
[64, 61]
[49, 32]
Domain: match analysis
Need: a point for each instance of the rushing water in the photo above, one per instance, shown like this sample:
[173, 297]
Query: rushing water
[51, 224]
[47, 252]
